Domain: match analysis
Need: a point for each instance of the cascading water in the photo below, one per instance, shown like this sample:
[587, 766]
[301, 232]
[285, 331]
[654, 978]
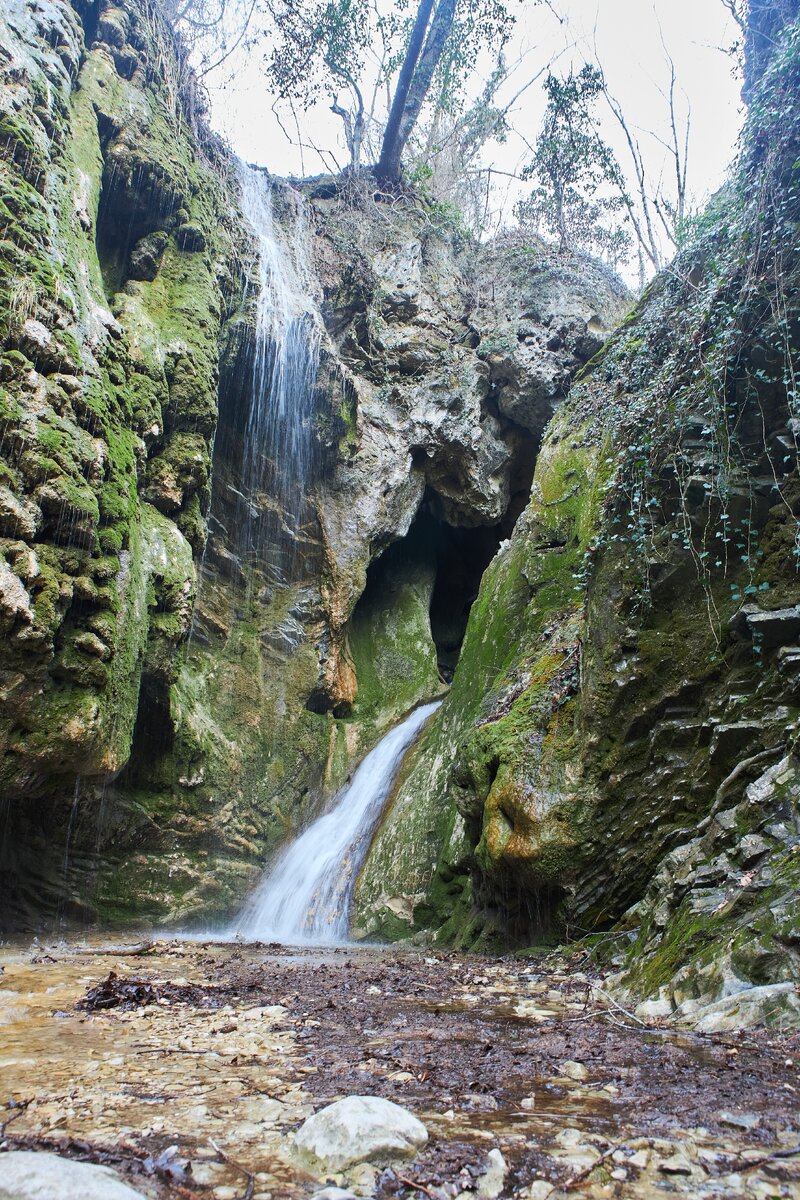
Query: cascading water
[306, 896]
[278, 437]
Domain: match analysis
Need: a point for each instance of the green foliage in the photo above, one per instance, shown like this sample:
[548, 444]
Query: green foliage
[580, 191]
[323, 44]
[317, 45]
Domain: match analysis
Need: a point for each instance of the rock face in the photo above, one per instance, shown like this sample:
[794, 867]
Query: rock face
[598, 538]
[359, 1129]
[165, 769]
[38, 1176]
[453, 360]
[108, 392]
[621, 739]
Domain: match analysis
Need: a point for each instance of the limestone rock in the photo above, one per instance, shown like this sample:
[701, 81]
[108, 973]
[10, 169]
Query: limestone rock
[574, 1070]
[751, 1006]
[29, 1175]
[15, 604]
[775, 627]
[490, 1184]
[19, 518]
[359, 1129]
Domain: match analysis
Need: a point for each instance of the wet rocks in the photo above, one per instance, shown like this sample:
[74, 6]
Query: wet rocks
[490, 1184]
[574, 1070]
[37, 1176]
[19, 518]
[359, 1129]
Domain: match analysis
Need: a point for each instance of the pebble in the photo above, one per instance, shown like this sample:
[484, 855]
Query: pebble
[569, 1137]
[574, 1070]
[490, 1184]
[743, 1120]
[540, 1189]
[677, 1164]
[30, 1175]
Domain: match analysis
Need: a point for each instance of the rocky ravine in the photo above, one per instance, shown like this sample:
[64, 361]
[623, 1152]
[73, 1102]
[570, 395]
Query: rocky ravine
[618, 750]
[163, 778]
[113, 263]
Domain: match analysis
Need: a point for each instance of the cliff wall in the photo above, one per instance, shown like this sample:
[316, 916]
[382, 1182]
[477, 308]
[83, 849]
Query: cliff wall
[619, 751]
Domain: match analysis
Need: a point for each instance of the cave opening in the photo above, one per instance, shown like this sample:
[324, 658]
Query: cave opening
[454, 558]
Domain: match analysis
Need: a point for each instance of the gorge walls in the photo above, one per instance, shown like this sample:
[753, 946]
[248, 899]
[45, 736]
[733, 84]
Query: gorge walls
[595, 543]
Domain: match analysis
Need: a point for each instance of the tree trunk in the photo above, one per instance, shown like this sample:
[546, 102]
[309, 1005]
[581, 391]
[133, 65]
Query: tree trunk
[414, 82]
[438, 34]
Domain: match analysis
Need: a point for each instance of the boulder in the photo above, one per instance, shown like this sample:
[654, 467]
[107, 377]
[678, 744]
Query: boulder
[775, 627]
[29, 1175]
[359, 1129]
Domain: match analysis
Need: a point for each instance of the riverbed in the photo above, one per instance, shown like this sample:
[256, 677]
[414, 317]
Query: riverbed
[187, 1066]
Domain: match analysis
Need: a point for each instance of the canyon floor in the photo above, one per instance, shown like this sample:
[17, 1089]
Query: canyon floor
[186, 1066]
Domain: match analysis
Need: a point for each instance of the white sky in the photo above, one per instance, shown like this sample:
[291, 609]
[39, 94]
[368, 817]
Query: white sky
[627, 37]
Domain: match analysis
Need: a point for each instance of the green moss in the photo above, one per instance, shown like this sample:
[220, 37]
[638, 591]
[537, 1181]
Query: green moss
[391, 644]
[16, 134]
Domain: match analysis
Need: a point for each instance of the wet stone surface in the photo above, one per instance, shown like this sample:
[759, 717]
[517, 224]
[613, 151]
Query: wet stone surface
[188, 1068]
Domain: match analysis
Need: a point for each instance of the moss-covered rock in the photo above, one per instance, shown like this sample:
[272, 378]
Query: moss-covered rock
[108, 387]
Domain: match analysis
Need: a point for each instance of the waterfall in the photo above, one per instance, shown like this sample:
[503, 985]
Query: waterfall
[306, 896]
[278, 436]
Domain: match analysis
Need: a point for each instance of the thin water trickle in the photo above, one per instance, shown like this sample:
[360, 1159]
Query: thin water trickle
[306, 897]
[76, 796]
[278, 440]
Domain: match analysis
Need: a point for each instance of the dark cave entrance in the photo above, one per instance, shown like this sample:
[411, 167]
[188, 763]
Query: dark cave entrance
[456, 558]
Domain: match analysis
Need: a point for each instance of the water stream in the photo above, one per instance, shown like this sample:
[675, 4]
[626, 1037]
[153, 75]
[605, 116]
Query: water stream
[306, 896]
[278, 438]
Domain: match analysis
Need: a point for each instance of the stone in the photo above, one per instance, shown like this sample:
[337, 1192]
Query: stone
[18, 518]
[359, 1129]
[728, 741]
[31, 1175]
[653, 1009]
[14, 600]
[334, 1193]
[540, 1189]
[569, 1137]
[749, 1007]
[789, 659]
[676, 1164]
[146, 256]
[490, 1184]
[574, 1070]
[190, 236]
[775, 628]
[744, 1120]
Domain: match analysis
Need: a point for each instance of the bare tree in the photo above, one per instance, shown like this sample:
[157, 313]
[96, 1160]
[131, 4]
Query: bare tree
[656, 213]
